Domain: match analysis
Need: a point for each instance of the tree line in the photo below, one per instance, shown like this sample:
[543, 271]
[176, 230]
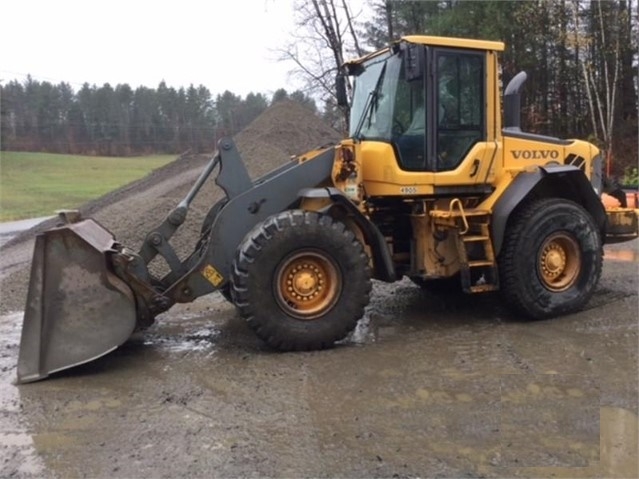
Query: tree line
[121, 121]
[581, 56]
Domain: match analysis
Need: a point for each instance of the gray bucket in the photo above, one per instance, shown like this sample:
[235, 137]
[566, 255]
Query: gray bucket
[77, 309]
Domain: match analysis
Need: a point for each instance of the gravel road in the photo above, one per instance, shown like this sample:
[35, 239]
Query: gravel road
[425, 387]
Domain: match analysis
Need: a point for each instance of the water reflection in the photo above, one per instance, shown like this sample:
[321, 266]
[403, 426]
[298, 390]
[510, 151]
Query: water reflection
[621, 255]
[18, 453]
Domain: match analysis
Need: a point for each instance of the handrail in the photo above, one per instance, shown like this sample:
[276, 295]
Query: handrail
[457, 202]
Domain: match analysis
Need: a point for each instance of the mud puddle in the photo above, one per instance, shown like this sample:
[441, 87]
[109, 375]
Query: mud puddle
[628, 255]
[18, 453]
[622, 252]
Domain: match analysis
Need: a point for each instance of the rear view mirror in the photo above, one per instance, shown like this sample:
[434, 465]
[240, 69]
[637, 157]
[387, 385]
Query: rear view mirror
[340, 90]
[413, 62]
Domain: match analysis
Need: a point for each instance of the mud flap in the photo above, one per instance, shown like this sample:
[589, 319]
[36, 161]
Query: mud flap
[77, 309]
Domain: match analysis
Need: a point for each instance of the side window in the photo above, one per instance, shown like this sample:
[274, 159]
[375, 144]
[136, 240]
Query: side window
[460, 106]
[409, 123]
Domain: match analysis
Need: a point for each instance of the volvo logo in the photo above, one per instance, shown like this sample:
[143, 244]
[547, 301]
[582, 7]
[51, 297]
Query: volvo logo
[535, 154]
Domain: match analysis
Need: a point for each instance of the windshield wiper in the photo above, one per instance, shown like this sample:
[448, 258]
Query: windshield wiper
[373, 97]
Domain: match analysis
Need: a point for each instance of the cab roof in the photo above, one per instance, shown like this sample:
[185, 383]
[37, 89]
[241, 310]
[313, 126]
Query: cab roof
[462, 43]
[455, 42]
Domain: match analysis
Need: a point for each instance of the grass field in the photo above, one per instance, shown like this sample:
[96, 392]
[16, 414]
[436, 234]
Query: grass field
[37, 184]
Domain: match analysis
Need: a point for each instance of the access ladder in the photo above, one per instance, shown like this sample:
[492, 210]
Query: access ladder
[471, 228]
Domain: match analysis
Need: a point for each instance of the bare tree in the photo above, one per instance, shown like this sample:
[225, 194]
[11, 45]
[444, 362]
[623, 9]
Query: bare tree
[600, 81]
[325, 35]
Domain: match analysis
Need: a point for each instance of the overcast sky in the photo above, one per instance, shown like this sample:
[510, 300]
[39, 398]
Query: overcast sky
[222, 44]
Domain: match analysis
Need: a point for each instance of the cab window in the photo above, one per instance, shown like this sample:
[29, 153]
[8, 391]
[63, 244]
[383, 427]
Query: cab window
[459, 91]
[409, 123]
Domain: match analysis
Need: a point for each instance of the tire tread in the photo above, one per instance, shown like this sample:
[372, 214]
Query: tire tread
[248, 253]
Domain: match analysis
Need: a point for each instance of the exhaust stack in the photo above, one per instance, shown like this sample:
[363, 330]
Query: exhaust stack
[512, 102]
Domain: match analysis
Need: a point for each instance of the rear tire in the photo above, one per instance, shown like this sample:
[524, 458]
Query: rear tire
[301, 280]
[551, 259]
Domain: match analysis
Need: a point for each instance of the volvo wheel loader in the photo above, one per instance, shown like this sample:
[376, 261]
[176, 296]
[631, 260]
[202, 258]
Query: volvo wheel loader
[430, 184]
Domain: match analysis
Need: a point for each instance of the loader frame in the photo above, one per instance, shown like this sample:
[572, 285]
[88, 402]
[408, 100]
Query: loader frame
[208, 268]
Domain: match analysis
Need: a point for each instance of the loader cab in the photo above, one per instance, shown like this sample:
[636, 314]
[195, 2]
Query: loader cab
[427, 97]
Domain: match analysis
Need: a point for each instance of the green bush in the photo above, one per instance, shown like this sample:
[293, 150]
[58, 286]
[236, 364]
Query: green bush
[630, 176]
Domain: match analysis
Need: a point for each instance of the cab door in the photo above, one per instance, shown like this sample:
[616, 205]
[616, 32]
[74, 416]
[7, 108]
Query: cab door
[459, 149]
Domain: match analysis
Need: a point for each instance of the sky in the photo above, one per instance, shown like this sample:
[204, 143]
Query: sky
[221, 44]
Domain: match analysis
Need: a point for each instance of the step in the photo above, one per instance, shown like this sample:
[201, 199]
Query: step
[474, 212]
[457, 214]
[481, 288]
[478, 263]
[469, 238]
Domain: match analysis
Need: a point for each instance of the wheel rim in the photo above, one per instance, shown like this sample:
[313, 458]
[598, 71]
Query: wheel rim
[308, 285]
[559, 262]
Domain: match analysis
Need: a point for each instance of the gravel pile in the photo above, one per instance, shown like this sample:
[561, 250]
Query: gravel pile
[286, 128]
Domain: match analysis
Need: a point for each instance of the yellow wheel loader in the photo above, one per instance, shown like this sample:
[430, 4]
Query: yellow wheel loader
[429, 185]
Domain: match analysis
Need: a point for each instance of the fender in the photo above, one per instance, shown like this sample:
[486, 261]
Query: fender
[383, 263]
[561, 181]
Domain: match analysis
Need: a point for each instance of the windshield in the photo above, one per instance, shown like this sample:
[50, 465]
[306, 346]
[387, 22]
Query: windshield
[375, 87]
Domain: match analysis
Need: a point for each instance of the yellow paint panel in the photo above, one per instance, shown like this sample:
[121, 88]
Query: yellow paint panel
[524, 153]
[483, 152]
[383, 177]
[212, 275]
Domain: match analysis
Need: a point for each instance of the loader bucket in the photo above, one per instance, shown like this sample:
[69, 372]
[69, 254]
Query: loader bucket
[77, 309]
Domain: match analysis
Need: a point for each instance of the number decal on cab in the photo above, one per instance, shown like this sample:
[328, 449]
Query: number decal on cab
[408, 190]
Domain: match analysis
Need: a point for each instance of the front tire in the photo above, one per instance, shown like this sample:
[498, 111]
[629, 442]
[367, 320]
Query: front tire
[301, 280]
[551, 259]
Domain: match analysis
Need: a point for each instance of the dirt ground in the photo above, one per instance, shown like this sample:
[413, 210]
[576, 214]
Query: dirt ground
[424, 387]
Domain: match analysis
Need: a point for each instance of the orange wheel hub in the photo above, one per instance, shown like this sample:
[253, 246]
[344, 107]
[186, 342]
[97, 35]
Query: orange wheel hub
[559, 262]
[308, 285]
